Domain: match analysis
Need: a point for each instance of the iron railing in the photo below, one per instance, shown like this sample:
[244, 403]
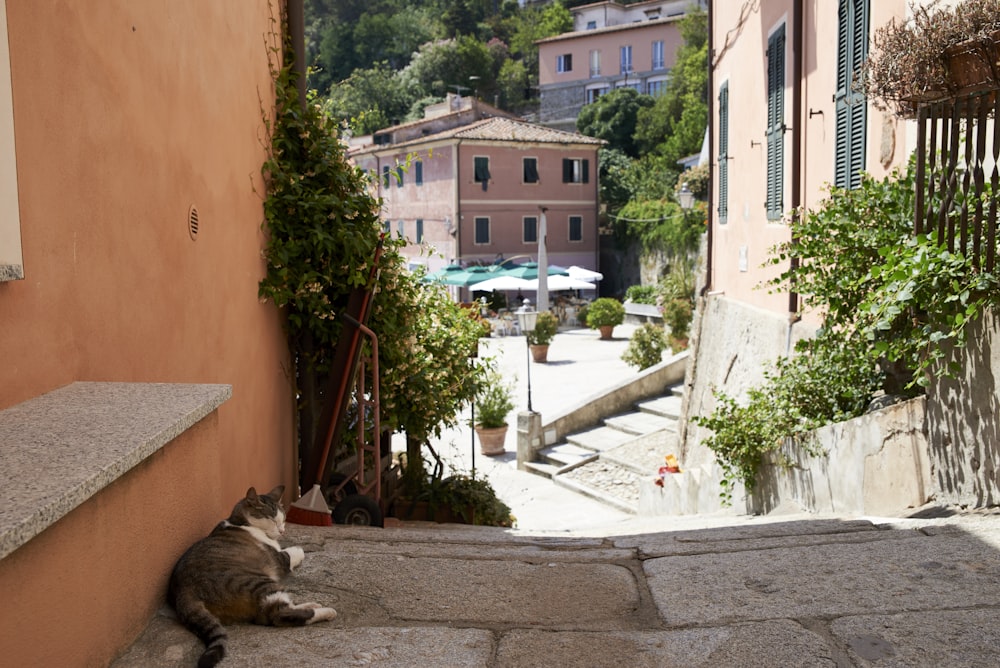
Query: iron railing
[958, 142]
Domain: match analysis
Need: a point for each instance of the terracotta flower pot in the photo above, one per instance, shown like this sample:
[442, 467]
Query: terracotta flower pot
[606, 331]
[491, 439]
[540, 353]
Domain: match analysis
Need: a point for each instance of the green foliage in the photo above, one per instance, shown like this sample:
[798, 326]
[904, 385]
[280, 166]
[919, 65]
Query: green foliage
[675, 296]
[371, 98]
[645, 348]
[605, 311]
[545, 330]
[660, 225]
[675, 125]
[323, 227]
[615, 182]
[463, 494]
[437, 66]
[494, 400]
[641, 294]
[612, 117]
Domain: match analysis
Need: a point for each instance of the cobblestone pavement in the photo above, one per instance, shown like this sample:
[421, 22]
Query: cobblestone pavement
[611, 479]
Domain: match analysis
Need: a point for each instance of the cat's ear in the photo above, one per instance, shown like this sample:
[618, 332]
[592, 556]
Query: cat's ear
[277, 492]
[251, 494]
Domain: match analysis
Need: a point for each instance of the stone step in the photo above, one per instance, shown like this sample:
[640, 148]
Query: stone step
[606, 482]
[668, 406]
[599, 439]
[541, 468]
[566, 454]
[639, 423]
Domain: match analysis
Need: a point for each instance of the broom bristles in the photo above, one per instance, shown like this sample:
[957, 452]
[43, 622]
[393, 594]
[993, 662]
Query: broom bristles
[310, 509]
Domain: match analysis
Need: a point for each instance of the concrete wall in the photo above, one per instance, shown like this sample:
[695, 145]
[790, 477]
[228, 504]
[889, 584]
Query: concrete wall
[125, 115]
[963, 429]
[877, 464]
[648, 384]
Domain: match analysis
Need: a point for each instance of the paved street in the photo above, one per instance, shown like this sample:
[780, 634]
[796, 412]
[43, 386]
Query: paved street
[802, 591]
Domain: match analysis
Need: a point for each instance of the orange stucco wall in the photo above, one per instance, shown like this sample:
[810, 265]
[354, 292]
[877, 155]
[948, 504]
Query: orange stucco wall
[81, 591]
[125, 115]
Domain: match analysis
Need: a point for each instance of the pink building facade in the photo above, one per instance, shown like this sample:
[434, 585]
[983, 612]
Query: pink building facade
[611, 46]
[477, 192]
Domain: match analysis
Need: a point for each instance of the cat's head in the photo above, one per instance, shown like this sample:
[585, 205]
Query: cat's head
[263, 511]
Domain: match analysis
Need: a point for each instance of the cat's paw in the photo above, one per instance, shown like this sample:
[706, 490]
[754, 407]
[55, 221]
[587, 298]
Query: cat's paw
[322, 615]
[295, 556]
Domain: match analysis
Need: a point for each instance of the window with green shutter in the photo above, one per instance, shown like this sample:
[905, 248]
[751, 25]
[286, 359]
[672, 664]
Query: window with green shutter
[723, 161]
[775, 123]
[851, 107]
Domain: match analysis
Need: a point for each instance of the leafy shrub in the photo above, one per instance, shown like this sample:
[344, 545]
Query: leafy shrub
[641, 294]
[494, 400]
[545, 330]
[645, 348]
[605, 311]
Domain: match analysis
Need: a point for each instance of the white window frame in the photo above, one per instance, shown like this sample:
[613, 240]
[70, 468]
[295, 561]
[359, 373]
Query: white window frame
[595, 63]
[564, 63]
[625, 59]
[659, 59]
[11, 258]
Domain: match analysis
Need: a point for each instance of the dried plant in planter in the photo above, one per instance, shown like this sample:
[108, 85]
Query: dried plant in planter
[936, 54]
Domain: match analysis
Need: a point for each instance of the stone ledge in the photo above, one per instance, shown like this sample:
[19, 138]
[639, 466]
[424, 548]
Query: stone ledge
[61, 448]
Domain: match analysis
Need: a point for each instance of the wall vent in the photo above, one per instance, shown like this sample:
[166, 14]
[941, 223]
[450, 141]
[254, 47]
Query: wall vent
[193, 222]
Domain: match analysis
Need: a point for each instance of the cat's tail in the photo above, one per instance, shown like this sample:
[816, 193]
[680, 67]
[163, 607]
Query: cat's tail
[194, 615]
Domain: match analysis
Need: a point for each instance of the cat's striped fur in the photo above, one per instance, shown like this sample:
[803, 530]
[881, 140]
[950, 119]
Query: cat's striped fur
[234, 575]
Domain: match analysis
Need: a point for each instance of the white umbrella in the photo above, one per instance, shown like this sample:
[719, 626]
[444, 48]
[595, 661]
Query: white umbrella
[584, 274]
[568, 283]
[556, 283]
[505, 283]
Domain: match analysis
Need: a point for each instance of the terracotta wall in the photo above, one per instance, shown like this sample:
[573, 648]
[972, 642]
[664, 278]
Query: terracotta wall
[126, 114]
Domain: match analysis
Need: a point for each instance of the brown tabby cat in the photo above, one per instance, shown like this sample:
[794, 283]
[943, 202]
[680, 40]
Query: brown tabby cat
[233, 575]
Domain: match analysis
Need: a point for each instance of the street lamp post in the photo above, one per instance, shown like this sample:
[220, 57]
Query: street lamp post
[526, 319]
[685, 197]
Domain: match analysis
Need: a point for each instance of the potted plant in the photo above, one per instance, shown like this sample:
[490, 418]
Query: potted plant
[604, 314]
[541, 336]
[494, 399]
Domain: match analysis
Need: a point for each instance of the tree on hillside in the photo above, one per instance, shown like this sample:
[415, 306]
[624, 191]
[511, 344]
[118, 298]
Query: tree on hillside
[612, 117]
[674, 127]
[441, 66]
[371, 99]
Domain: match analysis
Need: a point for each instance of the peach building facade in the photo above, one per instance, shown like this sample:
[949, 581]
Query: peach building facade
[133, 138]
[753, 192]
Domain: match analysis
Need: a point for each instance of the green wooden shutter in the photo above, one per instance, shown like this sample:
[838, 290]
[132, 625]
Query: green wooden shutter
[586, 170]
[775, 123]
[723, 161]
[851, 106]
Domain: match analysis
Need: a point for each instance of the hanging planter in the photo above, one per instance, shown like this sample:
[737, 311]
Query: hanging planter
[939, 54]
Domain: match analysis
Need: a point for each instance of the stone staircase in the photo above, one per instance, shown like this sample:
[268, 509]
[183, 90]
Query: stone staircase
[613, 461]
